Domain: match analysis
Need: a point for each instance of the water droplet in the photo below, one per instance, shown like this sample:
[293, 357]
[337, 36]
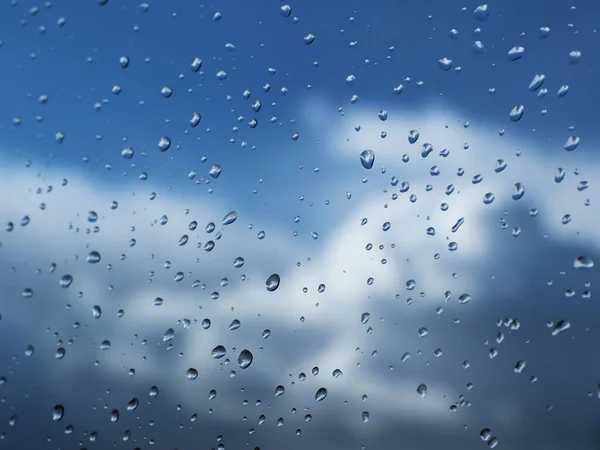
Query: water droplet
[27, 293]
[364, 318]
[481, 13]
[215, 171]
[560, 175]
[537, 82]
[133, 404]
[169, 335]
[279, 390]
[124, 62]
[321, 394]
[96, 312]
[413, 136]
[127, 152]
[266, 334]
[350, 79]
[196, 64]
[422, 390]
[105, 345]
[164, 143]
[245, 359]
[583, 185]
[519, 366]
[423, 332]
[229, 218]
[60, 353]
[195, 120]
[516, 53]
[464, 298]
[500, 166]
[518, 191]
[218, 352]
[574, 56]
[383, 115]
[445, 64]
[166, 92]
[572, 143]
[458, 224]
[560, 326]
[238, 262]
[337, 373]
[234, 325]
[66, 281]
[367, 158]
[221, 75]
[485, 434]
[365, 416]
[191, 374]
[493, 442]
[273, 282]
[309, 39]
[426, 149]
[562, 91]
[93, 257]
[114, 416]
[583, 262]
[285, 10]
[58, 412]
[516, 113]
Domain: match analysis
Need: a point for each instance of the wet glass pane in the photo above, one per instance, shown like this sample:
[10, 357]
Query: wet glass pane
[324, 225]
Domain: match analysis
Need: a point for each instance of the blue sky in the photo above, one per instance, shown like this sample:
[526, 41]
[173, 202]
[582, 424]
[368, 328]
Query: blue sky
[514, 257]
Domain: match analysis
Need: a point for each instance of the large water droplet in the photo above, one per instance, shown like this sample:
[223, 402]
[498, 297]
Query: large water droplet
[58, 412]
[191, 374]
[560, 326]
[572, 143]
[422, 390]
[516, 53]
[93, 257]
[215, 171]
[218, 352]
[321, 394]
[516, 113]
[518, 191]
[96, 312]
[413, 136]
[229, 218]
[164, 143]
[279, 390]
[127, 152]
[133, 404]
[245, 359]
[445, 64]
[66, 281]
[309, 39]
[273, 282]
[367, 158]
[583, 262]
[537, 82]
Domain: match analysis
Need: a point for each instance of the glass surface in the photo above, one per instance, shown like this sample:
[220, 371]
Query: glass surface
[325, 225]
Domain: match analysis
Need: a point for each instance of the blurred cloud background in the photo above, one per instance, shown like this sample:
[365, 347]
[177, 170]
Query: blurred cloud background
[365, 288]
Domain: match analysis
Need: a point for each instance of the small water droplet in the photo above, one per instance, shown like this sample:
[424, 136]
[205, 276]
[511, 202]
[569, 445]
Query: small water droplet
[537, 82]
[127, 152]
[191, 374]
[422, 390]
[309, 39]
[445, 64]
[413, 136]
